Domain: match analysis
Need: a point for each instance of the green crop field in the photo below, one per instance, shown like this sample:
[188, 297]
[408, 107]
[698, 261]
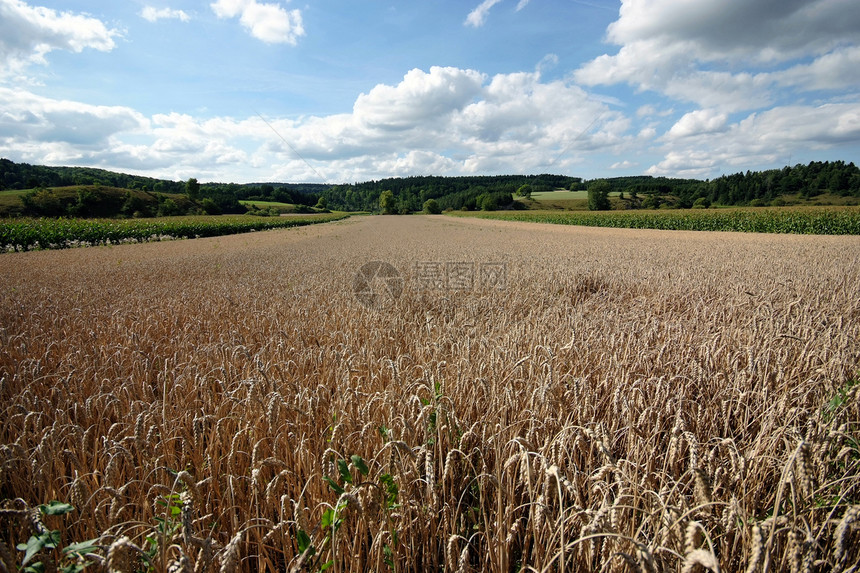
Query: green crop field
[560, 200]
[28, 234]
[559, 195]
[266, 204]
[807, 221]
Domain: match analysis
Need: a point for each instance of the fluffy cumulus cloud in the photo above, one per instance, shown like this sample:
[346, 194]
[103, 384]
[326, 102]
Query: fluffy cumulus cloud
[741, 30]
[455, 121]
[44, 130]
[730, 53]
[420, 100]
[61, 121]
[271, 23]
[152, 14]
[28, 33]
[440, 121]
[747, 67]
[731, 85]
[836, 70]
[768, 137]
[512, 122]
[699, 122]
[520, 116]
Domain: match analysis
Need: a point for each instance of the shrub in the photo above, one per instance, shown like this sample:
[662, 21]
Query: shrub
[42, 202]
[431, 207]
[210, 207]
[701, 203]
[168, 208]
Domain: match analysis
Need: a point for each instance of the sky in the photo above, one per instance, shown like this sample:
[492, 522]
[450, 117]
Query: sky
[342, 91]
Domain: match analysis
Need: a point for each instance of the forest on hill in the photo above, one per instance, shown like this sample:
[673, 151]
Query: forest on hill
[753, 188]
[409, 194]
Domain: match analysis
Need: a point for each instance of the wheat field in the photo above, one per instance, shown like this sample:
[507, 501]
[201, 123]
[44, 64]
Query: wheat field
[619, 400]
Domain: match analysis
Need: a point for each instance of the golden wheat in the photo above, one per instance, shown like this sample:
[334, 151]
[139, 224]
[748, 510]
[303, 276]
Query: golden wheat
[658, 401]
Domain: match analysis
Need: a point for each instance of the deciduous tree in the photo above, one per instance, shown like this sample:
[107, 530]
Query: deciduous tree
[431, 207]
[192, 188]
[387, 203]
[598, 195]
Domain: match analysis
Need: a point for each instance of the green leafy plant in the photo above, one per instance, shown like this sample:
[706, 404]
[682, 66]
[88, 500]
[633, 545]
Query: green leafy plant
[333, 517]
[165, 527]
[44, 540]
[434, 415]
[839, 399]
[390, 493]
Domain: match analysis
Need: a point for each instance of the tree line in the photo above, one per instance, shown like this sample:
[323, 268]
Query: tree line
[752, 188]
[147, 196]
[490, 192]
[487, 192]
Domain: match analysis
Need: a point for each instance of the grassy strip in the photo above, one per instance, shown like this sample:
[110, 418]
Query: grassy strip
[843, 221]
[266, 204]
[49, 233]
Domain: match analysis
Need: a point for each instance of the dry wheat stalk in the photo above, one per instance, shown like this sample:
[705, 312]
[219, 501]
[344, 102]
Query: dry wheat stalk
[598, 403]
[700, 558]
[123, 556]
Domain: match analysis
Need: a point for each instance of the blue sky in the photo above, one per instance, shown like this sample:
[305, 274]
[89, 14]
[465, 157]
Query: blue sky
[352, 90]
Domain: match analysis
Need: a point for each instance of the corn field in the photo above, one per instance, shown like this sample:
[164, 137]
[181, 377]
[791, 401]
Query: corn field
[618, 400]
[58, 233]
[799, 220]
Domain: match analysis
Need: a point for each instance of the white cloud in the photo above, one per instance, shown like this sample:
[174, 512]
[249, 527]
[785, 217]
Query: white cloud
[649, 110]
[509, 124]
[623, 165]
[548, 62]
[827, 124]
[28, 33]
[740, 30]
[228, 8]
[442, 121]
[152, 14]
[730, 54]
[692, 164]
[39, 118]
[411, 163]
[519, 108]
[698, 122]
[764, 138]
[836, 70]
[421, 99]
[270, 23]
[39, 129]
[478, 16]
